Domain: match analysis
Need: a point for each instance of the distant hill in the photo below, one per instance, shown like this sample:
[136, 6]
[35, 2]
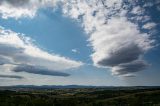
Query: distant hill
[31, 87]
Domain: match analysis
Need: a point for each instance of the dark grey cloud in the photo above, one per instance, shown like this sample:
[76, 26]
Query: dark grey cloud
[15, 2]
[38, 70]
[4, 60]
[11, 76]
[17, 54]
[122, 55]
[131, 67]
[10, 50]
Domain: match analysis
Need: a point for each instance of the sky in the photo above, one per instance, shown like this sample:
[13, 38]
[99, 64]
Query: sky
[80, 42]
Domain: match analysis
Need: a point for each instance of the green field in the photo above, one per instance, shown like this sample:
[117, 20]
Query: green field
[80, 97]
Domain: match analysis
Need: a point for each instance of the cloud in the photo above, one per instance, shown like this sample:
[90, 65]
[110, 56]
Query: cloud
[126, 53]
[20, 52]
[119, 42]
[149, 25]
[15, 2]
[11, 76]
[128, 75]
[127, 68]
[38, 70]
[158, 8]
[137, 10]
[75, 51]
[23, 8]
[19, 9]
[4, 60]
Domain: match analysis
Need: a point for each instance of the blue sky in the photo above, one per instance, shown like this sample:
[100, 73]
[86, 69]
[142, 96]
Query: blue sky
[82, 43]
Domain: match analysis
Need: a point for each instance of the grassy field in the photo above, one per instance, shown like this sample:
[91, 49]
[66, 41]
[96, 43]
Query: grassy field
[80, 97]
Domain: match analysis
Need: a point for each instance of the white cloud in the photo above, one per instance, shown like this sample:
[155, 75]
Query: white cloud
[142, 18]
[137, 10]
[23, 8]
[149, 4]
[13, 9]
[18, 50]
[149, 25]
[75, 51]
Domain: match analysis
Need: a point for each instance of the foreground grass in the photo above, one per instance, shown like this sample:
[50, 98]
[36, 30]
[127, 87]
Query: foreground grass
[147, 98]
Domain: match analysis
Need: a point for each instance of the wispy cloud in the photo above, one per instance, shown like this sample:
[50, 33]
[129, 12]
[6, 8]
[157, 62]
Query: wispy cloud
[149, 25]
[75, 50]
[11, 76]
